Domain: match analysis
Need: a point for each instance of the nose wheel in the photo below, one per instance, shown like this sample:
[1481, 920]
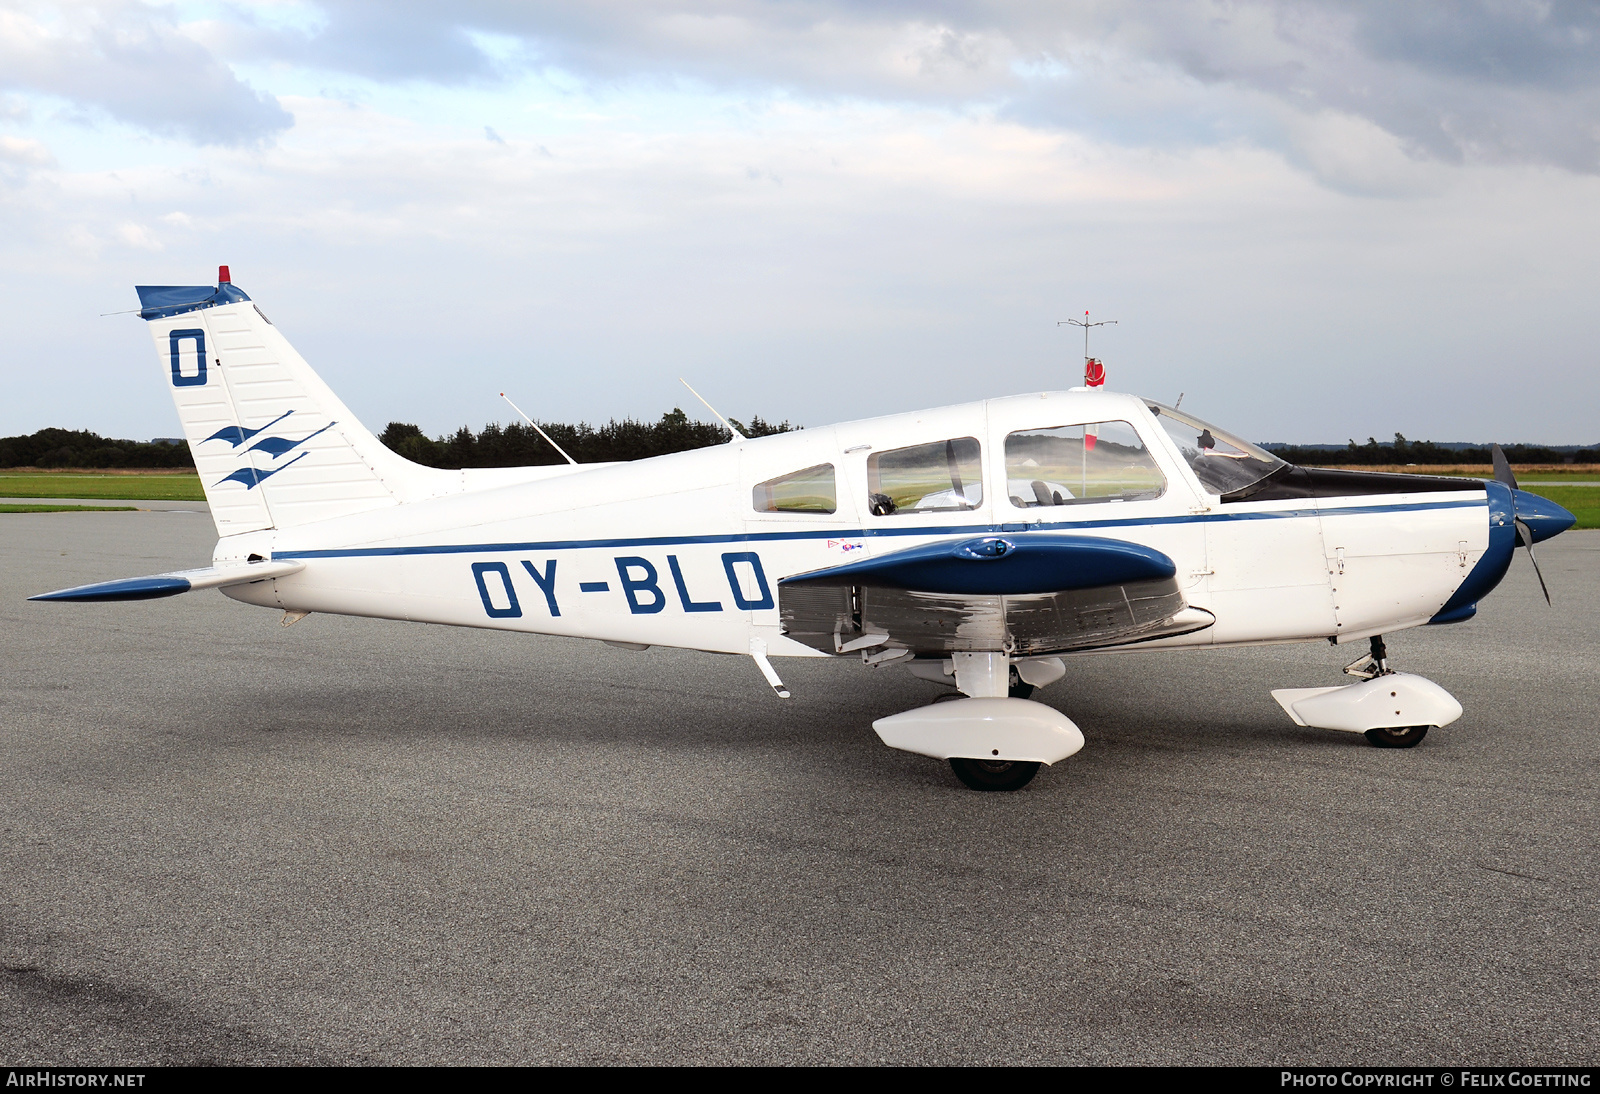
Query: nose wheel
[1370, 667]
[1400, 737]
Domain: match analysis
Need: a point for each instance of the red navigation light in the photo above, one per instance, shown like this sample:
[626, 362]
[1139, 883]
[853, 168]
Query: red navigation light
[1094, 373]
[222, 275]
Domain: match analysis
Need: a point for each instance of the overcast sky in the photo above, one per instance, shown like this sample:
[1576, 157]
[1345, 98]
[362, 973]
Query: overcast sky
[1318, 219]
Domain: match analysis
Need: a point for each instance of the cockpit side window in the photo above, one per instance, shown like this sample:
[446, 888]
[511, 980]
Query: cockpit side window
[1080, 465]
[810, 490]
[1223, 463]
[926, 478]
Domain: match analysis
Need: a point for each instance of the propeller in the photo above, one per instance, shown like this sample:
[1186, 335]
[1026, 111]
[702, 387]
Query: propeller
[1504, 474]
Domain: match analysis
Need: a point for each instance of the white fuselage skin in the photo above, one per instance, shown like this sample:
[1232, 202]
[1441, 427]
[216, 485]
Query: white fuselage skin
[670, 551]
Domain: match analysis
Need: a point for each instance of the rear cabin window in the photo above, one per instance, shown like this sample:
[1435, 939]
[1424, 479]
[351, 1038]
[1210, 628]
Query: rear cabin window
[926, 478]
[1079, 465]
[810, 490]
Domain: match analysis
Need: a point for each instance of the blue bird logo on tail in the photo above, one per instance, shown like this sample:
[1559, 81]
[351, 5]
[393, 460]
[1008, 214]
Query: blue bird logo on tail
[274, 447]
[253, 477]
[237, 435]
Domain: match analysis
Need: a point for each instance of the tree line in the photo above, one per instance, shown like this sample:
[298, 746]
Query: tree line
[517, 445]
[496, 445]
[80, 448]
[1403, 451]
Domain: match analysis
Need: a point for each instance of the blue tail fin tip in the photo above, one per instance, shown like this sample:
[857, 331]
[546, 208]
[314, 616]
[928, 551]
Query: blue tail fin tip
[165, 301]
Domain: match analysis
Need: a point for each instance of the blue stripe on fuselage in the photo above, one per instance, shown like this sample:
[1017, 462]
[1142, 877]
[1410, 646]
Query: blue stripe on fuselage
[847, 533]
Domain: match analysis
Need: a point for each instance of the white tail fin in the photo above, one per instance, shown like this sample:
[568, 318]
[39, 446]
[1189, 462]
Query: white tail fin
[274, 446]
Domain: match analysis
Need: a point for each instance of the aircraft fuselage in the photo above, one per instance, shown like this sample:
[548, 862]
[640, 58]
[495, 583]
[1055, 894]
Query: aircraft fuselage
[673, 550]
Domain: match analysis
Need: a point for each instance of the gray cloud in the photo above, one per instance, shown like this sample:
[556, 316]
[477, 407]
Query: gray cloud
[1508, 81]
[1513, 81]
[132, 62]
[376, 40]
[1487, 81]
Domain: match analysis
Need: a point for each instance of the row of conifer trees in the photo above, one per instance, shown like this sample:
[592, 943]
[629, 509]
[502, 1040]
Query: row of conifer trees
[517, 445]
[1423, 453]
[514, 445]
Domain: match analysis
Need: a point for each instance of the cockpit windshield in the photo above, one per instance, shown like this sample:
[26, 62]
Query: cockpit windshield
[1223, 463]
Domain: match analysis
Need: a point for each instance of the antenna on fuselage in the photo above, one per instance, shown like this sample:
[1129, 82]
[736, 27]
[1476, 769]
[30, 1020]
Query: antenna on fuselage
[541, 432]
[725, 423]
[1094, 373]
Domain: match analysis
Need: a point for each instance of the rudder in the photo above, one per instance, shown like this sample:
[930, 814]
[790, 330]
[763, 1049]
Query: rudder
[274, 446]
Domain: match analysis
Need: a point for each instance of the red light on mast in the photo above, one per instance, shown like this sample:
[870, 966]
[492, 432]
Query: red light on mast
[222, 275]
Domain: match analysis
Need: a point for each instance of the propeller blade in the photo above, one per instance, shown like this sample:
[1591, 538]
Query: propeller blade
[1525, 539]
[1502, 467]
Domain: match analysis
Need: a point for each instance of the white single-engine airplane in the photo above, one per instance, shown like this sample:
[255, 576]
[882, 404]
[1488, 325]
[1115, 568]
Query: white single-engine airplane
[974, 545]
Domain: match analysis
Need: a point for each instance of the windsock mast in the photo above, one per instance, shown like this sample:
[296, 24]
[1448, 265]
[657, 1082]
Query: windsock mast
[1094, 373]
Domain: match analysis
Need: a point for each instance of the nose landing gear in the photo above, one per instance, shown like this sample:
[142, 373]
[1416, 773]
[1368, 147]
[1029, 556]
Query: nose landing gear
[1390, 709]
[1400, 737]
[1374, 664]
[1370, 667]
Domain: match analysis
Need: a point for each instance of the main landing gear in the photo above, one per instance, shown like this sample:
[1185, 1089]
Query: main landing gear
[994, 737]
[1018, 689]
[994, 774]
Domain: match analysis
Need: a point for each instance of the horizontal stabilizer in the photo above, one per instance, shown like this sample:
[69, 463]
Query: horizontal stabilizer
[1002, 565]
[179, 581]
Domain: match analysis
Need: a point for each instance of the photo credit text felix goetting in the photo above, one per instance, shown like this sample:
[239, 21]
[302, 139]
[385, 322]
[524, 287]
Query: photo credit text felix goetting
[1436, 1078]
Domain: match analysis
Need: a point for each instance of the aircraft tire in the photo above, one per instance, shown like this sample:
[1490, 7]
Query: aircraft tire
[1404, 737]
[994, 774]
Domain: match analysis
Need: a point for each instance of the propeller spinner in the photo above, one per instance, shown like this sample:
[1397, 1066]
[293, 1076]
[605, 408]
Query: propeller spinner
[1537, 519]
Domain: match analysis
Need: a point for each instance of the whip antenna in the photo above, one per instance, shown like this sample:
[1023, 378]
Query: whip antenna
[541, 432]
[726, 424]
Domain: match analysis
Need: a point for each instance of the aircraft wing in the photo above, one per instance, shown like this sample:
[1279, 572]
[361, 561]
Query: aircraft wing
[1034, 594]
[178, 581]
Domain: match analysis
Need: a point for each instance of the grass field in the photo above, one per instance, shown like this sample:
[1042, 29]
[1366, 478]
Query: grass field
[1531, 471]
[1582, 501]
[67, 509]
[101, 485]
